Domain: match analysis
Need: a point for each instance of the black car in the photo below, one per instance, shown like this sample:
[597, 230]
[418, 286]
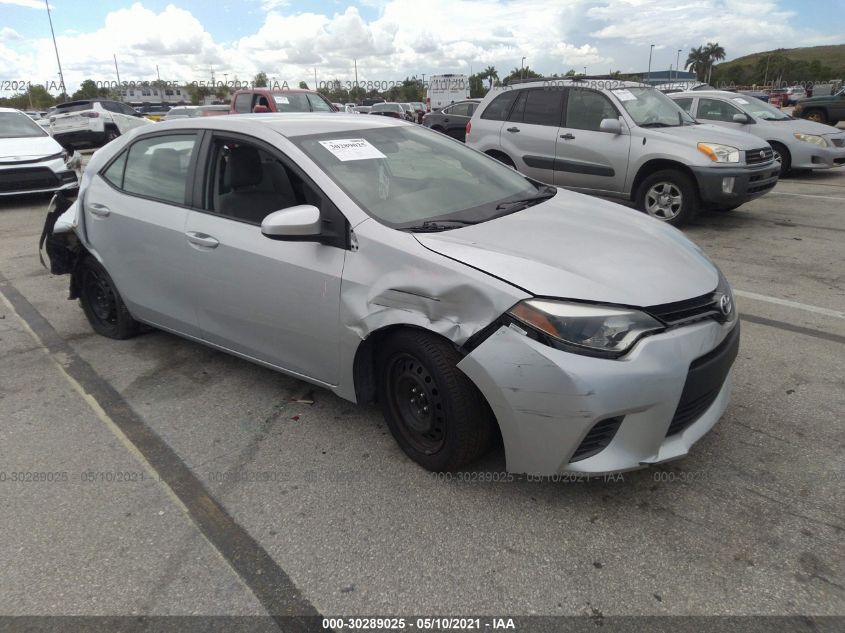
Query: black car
[452, 119]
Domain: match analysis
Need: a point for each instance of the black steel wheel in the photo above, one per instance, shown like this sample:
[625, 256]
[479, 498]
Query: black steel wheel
[102, 304]
[435, 413]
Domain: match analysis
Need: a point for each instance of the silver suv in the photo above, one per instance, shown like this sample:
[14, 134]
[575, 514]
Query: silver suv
[621, 139]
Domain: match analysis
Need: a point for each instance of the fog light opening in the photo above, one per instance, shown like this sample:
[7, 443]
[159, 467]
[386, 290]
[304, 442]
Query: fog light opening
[728, 184]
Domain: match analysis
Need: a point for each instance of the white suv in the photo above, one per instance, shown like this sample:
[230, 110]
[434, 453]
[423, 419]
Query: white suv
[93, 122]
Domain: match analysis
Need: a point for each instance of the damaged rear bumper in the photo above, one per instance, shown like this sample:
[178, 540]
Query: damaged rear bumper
[563, 412]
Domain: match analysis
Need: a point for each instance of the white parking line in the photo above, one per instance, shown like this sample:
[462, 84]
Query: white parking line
[808, 195]
[790, 304]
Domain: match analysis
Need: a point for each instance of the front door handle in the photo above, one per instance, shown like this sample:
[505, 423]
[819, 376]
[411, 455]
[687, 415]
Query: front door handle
[568, 136]
[98, 209]
[513, 129]
[201, 239]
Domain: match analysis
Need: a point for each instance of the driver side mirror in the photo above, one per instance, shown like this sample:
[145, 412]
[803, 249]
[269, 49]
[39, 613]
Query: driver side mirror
[612, 126]
[294, 224]
[742, 118]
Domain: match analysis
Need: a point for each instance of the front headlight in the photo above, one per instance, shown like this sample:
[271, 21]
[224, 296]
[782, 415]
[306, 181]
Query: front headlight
[811, 138]
[719, 153]
[586, 329]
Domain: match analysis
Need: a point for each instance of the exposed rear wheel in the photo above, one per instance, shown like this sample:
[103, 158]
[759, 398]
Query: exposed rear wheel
[102, 304]
[818, 116]
[111, 134]
[434, 412]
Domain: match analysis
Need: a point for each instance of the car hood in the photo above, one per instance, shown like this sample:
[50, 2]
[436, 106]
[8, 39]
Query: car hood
[577, 247]
[12, 149]
[707, 133]
[806, 127]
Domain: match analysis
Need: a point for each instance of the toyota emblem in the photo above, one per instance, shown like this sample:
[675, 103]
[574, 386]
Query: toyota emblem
[725, 305]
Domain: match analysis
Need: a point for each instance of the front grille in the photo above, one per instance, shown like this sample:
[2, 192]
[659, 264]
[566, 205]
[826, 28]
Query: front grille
[705, 379]
[759, 156]
[28, 179]
[689, 310]
[597, 439]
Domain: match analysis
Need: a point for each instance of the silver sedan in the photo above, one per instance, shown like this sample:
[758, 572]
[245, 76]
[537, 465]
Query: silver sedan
[383, 261]
[797, 143]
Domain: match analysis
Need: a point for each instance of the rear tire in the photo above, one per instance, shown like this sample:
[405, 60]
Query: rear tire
[782, 156]
[668, 195]
[435, 413]
[102, 304]
[110, 135]
[819, 116]
[504, 159]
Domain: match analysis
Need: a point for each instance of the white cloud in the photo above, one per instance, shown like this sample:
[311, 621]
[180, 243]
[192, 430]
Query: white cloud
[406, 39]
[8, 35]
[30, 4]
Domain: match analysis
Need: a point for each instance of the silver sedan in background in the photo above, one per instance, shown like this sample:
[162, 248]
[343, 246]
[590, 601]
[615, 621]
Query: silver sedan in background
[383, 261]
[797, 143]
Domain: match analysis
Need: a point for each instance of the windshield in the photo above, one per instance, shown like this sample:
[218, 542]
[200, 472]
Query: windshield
[760, 109]
[387, 107]
[300, 102]
[18, 125]
[405, 176]
[651, 108]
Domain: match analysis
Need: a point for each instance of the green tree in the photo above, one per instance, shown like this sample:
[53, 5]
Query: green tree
[260, 80]
[303, 85]
[697, 62]
[521, 73]
[87, 90]
[714, 53]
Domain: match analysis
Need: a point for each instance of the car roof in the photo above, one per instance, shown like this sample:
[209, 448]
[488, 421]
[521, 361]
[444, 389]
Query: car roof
[11, 110]
[725, 94]
[607, 84]
[288, 124]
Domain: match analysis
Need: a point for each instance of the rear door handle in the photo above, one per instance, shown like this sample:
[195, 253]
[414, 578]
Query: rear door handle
[201, 239]
[567, 136]
[98, 209]
[513, 129]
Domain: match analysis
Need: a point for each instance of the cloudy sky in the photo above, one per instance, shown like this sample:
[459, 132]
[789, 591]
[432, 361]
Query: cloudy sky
[391, 39]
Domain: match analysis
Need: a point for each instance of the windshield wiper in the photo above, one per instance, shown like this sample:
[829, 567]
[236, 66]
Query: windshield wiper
[548, 192]
[433, 226]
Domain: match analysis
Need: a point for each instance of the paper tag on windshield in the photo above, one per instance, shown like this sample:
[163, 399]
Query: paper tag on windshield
[281, 99]
[352, 149]
[740, 100]
[624, 94]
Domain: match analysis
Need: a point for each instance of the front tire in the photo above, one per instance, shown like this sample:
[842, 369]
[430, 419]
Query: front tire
[435, 413]
[782, 156]
[668, 195]
[102, 304]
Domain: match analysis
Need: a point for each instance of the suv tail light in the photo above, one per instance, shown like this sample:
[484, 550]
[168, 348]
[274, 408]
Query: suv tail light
[469, 127]
[90, 114]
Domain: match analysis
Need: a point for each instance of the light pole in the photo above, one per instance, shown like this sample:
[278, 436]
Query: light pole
[53, 33]
[522, 69]
[677, 64]
[648, 76]
[585, 71]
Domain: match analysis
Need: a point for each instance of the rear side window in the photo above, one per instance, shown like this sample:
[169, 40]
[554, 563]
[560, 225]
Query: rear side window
[157, 167]
[543, 107]
[459, 109]
[685, 104]
[243, 102]
[499, 108]
[114, 173]
[585, 109]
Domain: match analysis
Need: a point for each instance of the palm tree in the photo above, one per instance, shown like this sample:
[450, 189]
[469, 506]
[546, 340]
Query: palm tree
[697, 62]
[491, 74]
[714, 53]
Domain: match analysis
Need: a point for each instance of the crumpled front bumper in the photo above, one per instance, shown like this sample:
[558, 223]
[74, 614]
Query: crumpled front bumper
[546, 400]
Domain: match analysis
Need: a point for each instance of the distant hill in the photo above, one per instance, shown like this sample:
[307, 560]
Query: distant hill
[810, 64]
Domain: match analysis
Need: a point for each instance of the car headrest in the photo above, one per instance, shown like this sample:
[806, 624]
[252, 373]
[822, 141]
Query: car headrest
[165, 161]
[243, 168]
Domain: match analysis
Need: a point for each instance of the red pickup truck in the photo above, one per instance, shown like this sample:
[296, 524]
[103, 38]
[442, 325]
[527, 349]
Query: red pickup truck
[284, 100]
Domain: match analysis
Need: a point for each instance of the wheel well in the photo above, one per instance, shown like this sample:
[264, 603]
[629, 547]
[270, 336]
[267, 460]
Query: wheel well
[655, 165]
[498, 155]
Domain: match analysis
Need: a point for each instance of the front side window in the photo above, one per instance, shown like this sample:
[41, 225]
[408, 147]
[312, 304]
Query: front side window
[404, 176]
[716, 110]
[248, 183]
[685, 103]
[157, 167]
[585, 109]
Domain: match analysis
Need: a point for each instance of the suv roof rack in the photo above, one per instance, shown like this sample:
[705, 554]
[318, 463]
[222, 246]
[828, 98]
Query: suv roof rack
[573, 79]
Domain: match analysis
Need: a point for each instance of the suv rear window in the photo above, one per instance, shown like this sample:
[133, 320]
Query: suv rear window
[74, 106]
[500, 106]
